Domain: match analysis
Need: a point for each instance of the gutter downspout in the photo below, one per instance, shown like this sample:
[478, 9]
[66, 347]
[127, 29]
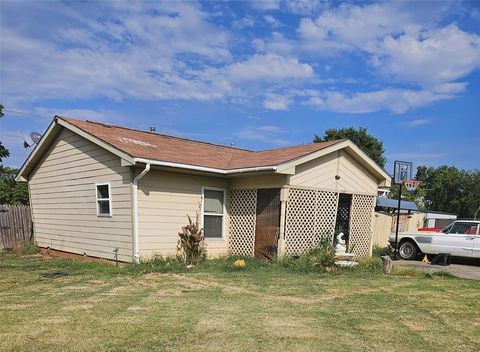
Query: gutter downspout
[136, 237]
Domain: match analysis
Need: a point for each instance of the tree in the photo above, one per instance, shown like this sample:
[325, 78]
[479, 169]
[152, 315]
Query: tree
[449, 189]
[12, 192]
[371, 145]
[3, 151]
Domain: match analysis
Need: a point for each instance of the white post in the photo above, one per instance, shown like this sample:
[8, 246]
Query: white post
[136, 236]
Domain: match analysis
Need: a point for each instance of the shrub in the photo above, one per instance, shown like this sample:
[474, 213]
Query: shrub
[317, 259]
[161, 264]
[378, 251]
[191, 247]
[368, 265]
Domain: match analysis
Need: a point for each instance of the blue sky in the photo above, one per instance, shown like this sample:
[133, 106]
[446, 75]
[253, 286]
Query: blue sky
[260, 74]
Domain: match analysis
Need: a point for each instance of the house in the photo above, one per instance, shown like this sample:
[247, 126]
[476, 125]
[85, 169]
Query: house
[96, 187]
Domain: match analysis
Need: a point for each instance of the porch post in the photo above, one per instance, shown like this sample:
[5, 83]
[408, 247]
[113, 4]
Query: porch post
[283, 210]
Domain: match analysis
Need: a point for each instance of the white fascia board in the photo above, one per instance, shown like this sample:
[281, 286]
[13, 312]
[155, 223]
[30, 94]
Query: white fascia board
[203, 168]
[381, 174]
[21, 173]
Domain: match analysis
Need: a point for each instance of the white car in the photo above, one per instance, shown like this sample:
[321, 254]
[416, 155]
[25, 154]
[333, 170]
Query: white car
[459, 239]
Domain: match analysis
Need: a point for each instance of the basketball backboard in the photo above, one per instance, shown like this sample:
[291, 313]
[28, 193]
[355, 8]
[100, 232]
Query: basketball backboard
[402, 171]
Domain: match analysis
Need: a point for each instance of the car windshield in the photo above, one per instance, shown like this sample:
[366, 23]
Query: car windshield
[447, 229]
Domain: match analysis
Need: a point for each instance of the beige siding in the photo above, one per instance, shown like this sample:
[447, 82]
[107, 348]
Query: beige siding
[321, 172]
[267, 181]
[64, 204]
[164, 200]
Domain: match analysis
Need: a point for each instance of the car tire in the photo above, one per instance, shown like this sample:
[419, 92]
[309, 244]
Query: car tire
[408, 250]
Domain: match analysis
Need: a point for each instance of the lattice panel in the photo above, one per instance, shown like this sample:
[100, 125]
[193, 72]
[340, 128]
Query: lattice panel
[243, 209]
[326, 213]
[361, 224]
[310, 215]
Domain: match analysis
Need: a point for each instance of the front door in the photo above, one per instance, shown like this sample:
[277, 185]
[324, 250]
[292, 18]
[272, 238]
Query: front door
[268, 223]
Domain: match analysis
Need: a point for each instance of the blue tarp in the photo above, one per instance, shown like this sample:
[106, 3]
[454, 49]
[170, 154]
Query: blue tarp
[393, 203]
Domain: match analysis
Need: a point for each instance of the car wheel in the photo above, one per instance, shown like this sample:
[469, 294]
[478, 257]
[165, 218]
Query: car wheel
[408, 250]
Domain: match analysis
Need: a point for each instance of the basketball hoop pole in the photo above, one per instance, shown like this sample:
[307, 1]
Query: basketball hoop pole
[402, 170]
[395, 253]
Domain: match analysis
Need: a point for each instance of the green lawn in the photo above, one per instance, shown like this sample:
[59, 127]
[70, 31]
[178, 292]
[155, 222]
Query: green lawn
[100, 307]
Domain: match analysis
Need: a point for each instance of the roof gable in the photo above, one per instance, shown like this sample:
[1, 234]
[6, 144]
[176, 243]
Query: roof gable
[139, 146]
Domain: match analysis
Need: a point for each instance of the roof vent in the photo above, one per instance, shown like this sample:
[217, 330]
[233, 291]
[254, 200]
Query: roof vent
[152, 129]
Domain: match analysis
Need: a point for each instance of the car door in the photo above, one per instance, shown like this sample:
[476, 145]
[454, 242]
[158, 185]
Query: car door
[476, 243]
[458, 241]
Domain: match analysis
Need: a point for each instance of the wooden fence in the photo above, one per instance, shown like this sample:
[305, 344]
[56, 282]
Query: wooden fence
[15, 225]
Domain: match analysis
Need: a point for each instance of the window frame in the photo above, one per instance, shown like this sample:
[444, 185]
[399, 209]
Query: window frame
[110, 214]
[205, 188]
[470, 225]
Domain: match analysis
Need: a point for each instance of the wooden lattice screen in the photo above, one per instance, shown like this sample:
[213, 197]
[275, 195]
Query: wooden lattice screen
[310, 216]
[361, 224]
[243, 208]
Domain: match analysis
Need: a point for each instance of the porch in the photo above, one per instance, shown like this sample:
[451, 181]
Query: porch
[292, 219]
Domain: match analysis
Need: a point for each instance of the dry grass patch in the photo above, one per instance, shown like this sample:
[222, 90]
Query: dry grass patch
[102, 308]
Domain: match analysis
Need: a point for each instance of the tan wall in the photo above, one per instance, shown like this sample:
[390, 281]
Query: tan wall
[321, 172]
[164, 200]
[384, 225]
[63, 198]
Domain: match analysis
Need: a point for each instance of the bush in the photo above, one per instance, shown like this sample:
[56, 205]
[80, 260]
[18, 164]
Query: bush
[161, 264]
[317, 259]
[378, 251]
[191, 247]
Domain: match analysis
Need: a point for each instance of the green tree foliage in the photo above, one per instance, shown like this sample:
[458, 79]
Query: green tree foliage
[372, 146]
[12, 192]
[450, 189]
[3, 151]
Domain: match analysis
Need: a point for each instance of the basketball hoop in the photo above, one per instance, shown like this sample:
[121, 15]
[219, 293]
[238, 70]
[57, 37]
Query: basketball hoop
[411, 185]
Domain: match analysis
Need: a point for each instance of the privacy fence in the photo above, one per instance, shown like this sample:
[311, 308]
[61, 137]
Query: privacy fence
[15, 225]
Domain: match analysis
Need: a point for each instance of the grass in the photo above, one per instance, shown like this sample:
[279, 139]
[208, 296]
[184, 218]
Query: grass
[162, 306]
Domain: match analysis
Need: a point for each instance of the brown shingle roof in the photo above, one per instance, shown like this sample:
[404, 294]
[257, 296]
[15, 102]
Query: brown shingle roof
[148, 145]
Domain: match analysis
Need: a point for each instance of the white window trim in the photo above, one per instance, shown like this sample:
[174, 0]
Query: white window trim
[100, 199]
[222, 215]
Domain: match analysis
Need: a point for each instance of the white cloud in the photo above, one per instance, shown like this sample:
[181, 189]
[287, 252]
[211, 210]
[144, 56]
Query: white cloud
[140, 54]
[418, 122]
[270, 68]
[269, 134]
[272, 21]
[265, 5]
[277, 101]
[431, 57]
[396, 100]
[305, 7]
[245, 22]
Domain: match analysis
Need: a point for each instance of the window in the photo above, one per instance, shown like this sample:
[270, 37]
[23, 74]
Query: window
[104, 200]
[464, 228]
[213, 212]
